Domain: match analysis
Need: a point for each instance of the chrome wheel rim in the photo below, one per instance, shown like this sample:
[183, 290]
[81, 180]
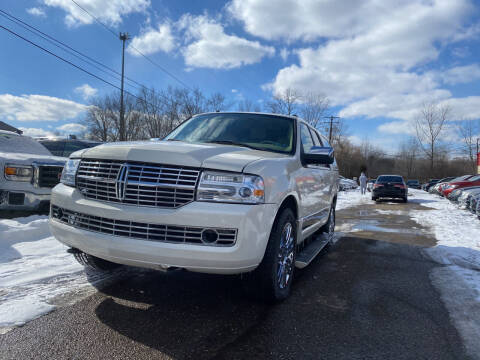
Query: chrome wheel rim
[285, 256]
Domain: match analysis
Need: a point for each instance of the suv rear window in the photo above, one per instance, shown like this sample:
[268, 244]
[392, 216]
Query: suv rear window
[389, 179]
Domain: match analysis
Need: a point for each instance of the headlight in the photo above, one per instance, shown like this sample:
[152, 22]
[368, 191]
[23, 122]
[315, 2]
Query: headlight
[18, 172]
[231, 187]
[69, 172]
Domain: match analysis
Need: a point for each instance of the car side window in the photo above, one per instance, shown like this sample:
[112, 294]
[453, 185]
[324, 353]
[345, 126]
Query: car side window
[306, 137]
[316, 138]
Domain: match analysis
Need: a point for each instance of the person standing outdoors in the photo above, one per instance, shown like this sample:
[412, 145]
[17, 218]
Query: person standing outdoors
[363, 183]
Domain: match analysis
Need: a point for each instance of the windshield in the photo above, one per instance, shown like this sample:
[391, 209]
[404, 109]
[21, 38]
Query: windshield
[390, 179]
[10, 143]
[475, 178]
[257, 131]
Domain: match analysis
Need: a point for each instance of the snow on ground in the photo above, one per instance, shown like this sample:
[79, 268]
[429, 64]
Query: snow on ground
[458, 250]
[457, 231]
[346, 199]
[35, 269]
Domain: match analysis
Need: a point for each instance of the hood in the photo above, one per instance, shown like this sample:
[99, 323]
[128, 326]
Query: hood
[209, 156]
[28, 159]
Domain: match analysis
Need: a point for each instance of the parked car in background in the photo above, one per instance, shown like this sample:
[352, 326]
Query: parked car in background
[225, 193]
[429, 184]
[29, 172]
[370, 184]
[458, 184]
[467, 194]
[435, 189]
[390, 186]
[346, 184]
[65, 147]
[475, 205]
[415, 184]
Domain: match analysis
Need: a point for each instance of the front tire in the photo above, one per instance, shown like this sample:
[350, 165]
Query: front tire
[272, 279]
[329, 228]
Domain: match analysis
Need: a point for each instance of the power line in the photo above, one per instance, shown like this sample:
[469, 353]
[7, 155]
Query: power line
[134, 48]
[75, 65]
[66, 48]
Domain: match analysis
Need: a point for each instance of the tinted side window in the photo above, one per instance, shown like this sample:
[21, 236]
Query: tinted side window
[55, 147]
[306, 137]
[72, 146]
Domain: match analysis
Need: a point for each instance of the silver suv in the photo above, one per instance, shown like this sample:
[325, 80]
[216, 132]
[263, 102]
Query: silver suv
[226, 193]
[28, 173]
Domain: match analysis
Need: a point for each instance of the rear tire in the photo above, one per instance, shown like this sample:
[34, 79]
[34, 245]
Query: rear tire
[405, 199]
[272, 279]
[93, 262]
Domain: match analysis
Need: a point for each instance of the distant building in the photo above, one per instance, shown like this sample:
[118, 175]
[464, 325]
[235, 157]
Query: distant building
[5, 126]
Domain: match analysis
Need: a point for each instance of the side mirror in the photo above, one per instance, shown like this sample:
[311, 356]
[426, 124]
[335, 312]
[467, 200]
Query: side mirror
[319, 155]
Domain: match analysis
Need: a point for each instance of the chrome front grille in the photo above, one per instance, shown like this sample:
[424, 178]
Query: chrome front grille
[146, 231]
[136, 183]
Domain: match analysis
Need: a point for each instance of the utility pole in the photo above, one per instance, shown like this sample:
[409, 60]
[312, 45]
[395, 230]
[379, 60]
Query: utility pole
[478, 156]
[331, 127]
[122, 136]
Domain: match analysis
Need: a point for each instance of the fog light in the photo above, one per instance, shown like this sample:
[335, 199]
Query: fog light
[209, 236]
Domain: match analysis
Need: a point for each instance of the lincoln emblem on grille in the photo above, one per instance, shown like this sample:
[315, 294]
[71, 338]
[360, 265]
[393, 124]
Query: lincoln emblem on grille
[122, 181]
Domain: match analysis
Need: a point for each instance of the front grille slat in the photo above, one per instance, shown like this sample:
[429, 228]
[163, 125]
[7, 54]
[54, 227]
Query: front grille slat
[143, 231]
[146, 184]
[49, 175]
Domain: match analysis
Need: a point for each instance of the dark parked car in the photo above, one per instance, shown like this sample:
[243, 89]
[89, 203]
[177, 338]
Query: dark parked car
[415, 184]
[64, 147]
[390, 186]
[429, 184]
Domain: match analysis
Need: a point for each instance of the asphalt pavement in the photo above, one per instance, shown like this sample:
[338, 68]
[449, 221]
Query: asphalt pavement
[362, 298]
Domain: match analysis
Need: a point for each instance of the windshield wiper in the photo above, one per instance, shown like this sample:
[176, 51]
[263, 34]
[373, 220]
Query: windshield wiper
[228, 142]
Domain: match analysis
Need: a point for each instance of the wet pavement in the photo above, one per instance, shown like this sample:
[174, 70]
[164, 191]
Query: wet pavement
[385, 221]
[369, 296]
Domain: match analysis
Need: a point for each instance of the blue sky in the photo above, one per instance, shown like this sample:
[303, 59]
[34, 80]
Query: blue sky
[377, 62]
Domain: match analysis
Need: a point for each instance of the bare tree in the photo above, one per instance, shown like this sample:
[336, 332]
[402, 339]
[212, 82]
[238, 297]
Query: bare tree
[313, 108]
[429, 126]
[285, 103]
[407, 157]
[469, 131]
[246, 105]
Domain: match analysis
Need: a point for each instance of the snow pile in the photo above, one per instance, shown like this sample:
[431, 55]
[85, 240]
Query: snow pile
[457, 231]
[458, 234]
[351, 198]
[34, 269]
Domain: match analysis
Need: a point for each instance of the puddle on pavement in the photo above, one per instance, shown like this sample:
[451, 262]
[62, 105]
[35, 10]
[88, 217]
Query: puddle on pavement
[385, 221]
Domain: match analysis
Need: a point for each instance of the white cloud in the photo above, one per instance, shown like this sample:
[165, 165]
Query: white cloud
[86, 91]
[284, 54]
[313, 19]
[153, 40]
[36, 132]
[373, 68]
[460, 74]
[398, 127]
[36, 11]
[72, 128]
[38, 108]
[213, 48]
[234, 91]
[109, 11]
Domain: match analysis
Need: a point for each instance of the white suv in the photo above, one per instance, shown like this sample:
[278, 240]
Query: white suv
[226, 193]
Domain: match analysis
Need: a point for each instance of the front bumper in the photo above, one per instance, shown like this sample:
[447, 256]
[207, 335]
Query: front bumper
[22, 200]
[253, 224]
